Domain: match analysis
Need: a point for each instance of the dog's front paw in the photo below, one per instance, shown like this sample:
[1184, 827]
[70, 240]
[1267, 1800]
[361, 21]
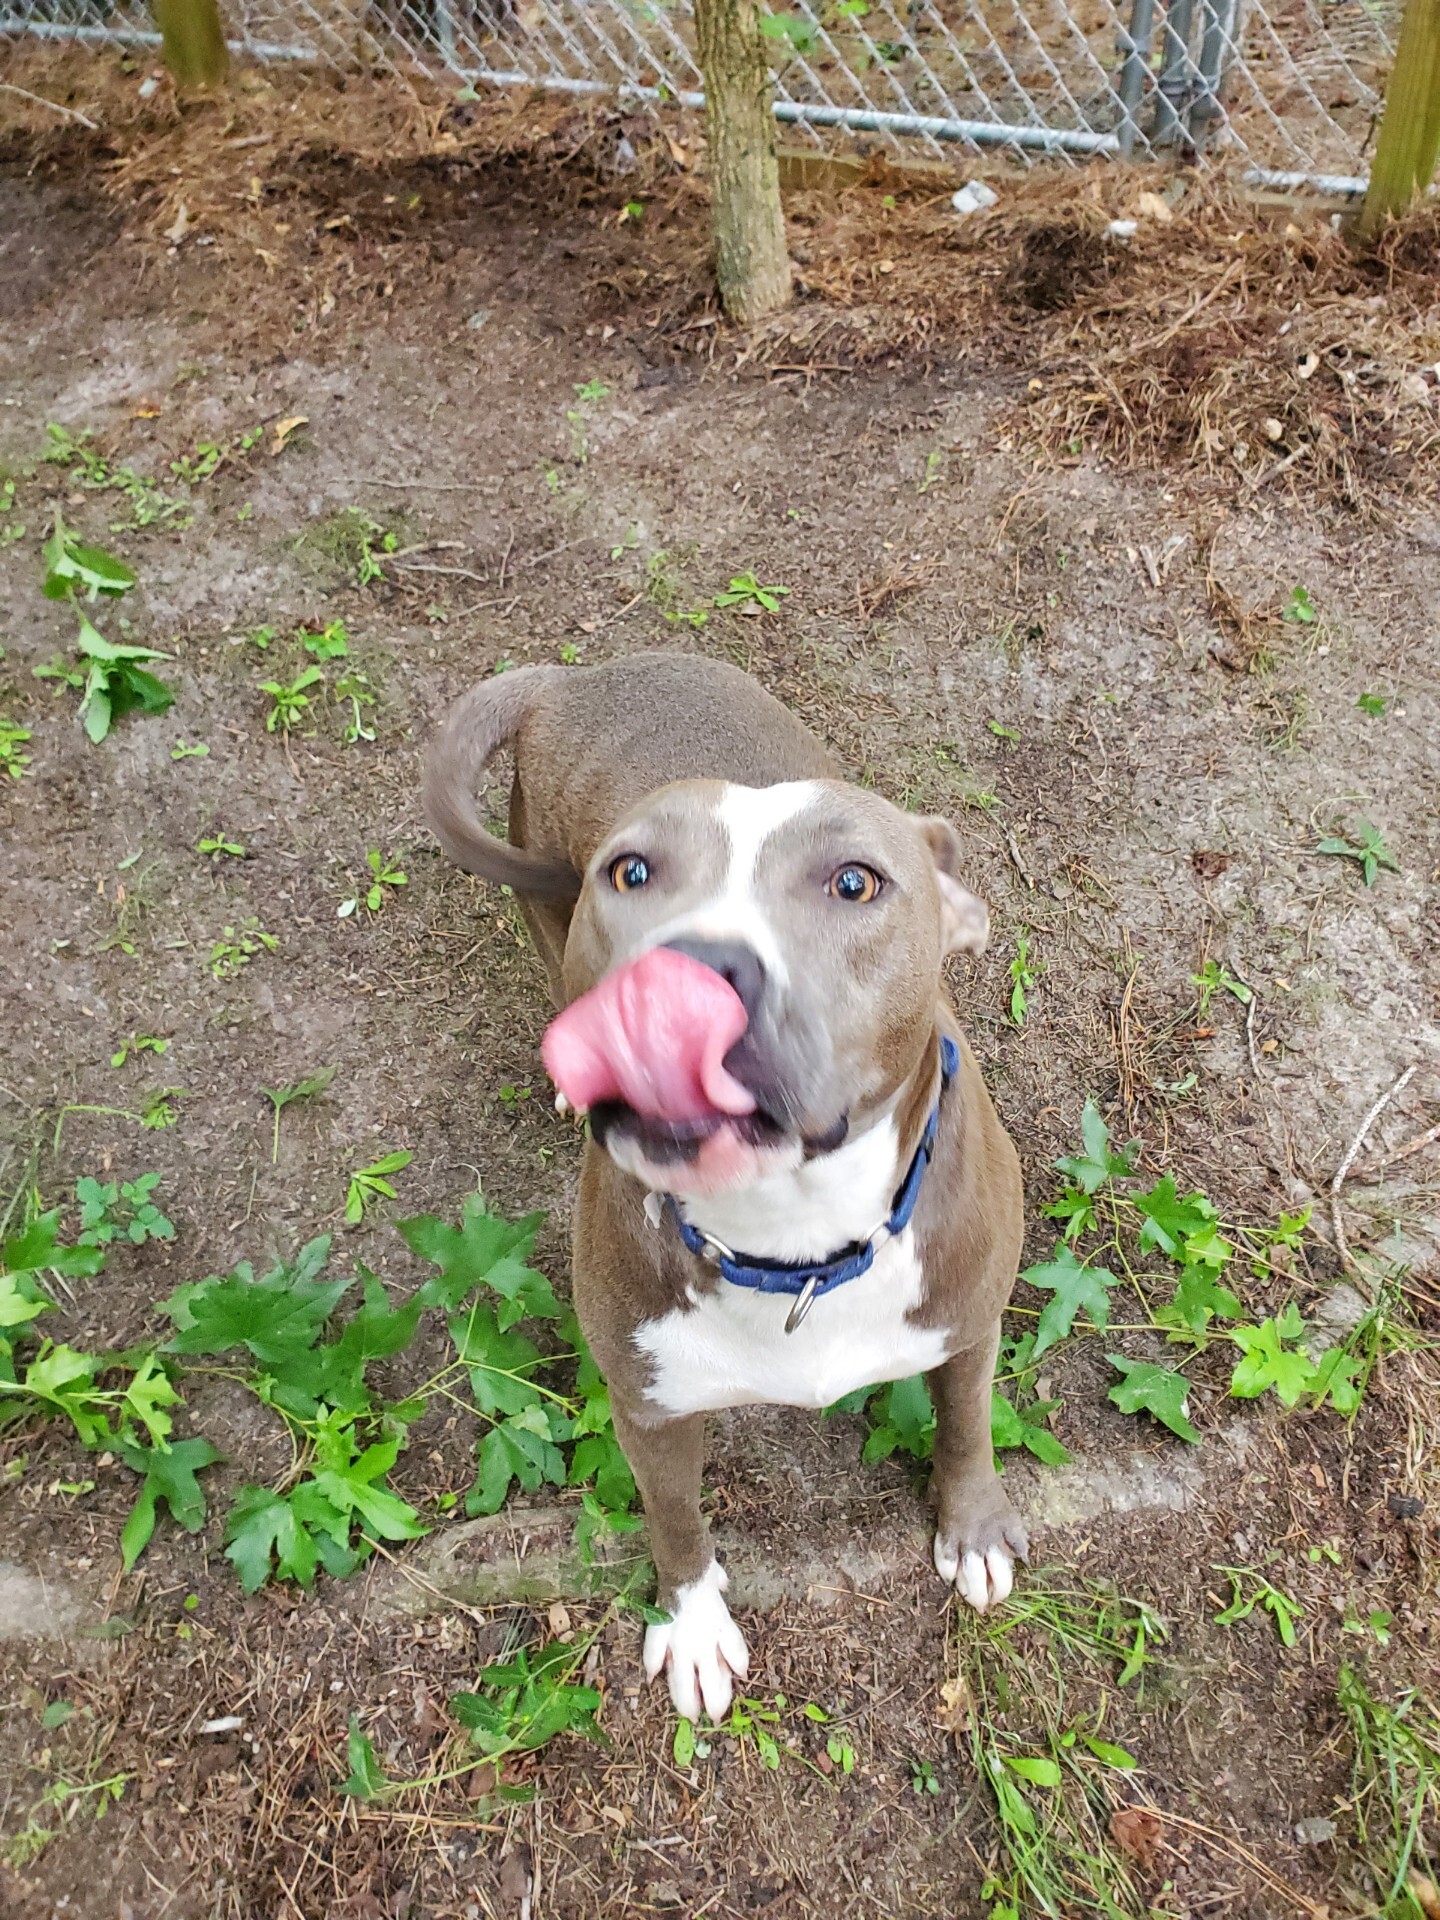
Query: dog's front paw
[700, 1646]
[977, 1555]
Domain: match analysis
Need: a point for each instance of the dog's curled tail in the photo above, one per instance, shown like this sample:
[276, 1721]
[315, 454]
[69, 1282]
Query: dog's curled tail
[475, 729]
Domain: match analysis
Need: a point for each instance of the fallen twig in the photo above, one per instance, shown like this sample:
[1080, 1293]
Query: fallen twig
[1342, 1246]
[68, 113]
[1410, 1146]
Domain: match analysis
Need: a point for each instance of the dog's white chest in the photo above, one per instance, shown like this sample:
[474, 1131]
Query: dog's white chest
[731, 1349]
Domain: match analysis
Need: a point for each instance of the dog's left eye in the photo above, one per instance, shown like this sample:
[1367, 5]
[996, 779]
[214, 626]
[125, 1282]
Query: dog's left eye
[854, 884]
[629, 872]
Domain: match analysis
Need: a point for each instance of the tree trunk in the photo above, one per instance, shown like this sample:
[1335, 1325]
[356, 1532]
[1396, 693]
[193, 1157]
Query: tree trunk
[1409, 142]
[751, 263]
[194, 41]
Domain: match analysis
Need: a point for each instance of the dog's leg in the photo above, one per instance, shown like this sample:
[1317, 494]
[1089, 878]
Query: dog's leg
[700, 1645]
[978, 1534]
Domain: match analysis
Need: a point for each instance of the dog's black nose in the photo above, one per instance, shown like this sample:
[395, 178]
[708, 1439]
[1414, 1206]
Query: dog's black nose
[734, 962]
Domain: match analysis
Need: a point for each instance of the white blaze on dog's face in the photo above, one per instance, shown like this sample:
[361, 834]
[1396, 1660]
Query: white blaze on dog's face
[829, 911]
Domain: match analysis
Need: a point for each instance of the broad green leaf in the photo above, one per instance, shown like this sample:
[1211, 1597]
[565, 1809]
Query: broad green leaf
[1011, 1427]
[1198, 1299]
[168, 1474]
[20, 1301]
[262, 1533]
[1076, 1209]
[1075, 1288]
[36, 1251]
[1170, 1220]
[147, 1399]
[1268, 1362]
[1336, 1375]
[499, 1362]
[275, 1318]
[684, 1745]
[1154, 1390]
[484, 1250]
[598, 1457]
[70, 565]
[1112, 1756]
[509, 1452]
[366, 1777]
[64, 1381]
[1099, 1162]
[374, 1332]
[1035, 1768]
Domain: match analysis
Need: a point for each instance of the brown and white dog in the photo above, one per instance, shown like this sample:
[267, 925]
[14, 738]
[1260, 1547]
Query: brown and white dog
[666, 802]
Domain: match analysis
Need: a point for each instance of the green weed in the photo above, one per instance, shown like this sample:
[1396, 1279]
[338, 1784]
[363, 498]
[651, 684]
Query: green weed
[281, 1097]
[372, 1183]
[110, 678]
[1250, 1589]
[290, 703]
[746, 592]
[1024, 975]
[664, 594]
[1368, 850]
[216, 847]
[1042, 1758]
[238, 946]
[13, 758]
[1214, 978]
[148, 505]
[1395, 1796]
[137, 1044]
[116, 1209]
[384, 876]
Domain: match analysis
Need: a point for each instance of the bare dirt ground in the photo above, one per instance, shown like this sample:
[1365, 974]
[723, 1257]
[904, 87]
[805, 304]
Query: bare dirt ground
[1087, 664]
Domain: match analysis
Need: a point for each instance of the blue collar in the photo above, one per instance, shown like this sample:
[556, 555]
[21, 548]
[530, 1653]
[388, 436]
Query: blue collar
[808, 1280]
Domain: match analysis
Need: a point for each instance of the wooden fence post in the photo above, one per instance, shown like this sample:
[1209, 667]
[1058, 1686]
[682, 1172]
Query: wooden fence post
[194, 41]
[1409, 143]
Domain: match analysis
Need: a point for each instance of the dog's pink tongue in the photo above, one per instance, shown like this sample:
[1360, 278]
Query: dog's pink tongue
[653, 1034]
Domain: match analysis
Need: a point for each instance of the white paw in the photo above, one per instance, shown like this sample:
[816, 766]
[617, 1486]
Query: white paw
[984, 1579]
[701, 1647]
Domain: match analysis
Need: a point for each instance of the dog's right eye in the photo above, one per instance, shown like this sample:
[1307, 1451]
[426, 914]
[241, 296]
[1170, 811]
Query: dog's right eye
[629, 872]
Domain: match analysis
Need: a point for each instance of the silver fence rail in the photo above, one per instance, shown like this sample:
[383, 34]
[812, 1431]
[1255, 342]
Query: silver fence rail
[1291, 89]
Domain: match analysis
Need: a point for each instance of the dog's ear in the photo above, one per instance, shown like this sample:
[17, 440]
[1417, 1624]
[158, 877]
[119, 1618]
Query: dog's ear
[964, 919]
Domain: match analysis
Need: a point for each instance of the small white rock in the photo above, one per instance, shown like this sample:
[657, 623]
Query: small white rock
[1122, 229]
[227, 1723]
[974, 197]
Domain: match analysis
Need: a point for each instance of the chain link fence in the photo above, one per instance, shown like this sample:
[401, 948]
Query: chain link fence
[1291, 89]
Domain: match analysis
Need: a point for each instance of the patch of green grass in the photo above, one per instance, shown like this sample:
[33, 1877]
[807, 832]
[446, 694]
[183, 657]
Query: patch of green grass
[148, 505]
[350, 544]
[1395, 1796]
[1035, 1696]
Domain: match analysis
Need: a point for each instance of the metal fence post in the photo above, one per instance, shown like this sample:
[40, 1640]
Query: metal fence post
[1134, 44]
[1174, 87]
